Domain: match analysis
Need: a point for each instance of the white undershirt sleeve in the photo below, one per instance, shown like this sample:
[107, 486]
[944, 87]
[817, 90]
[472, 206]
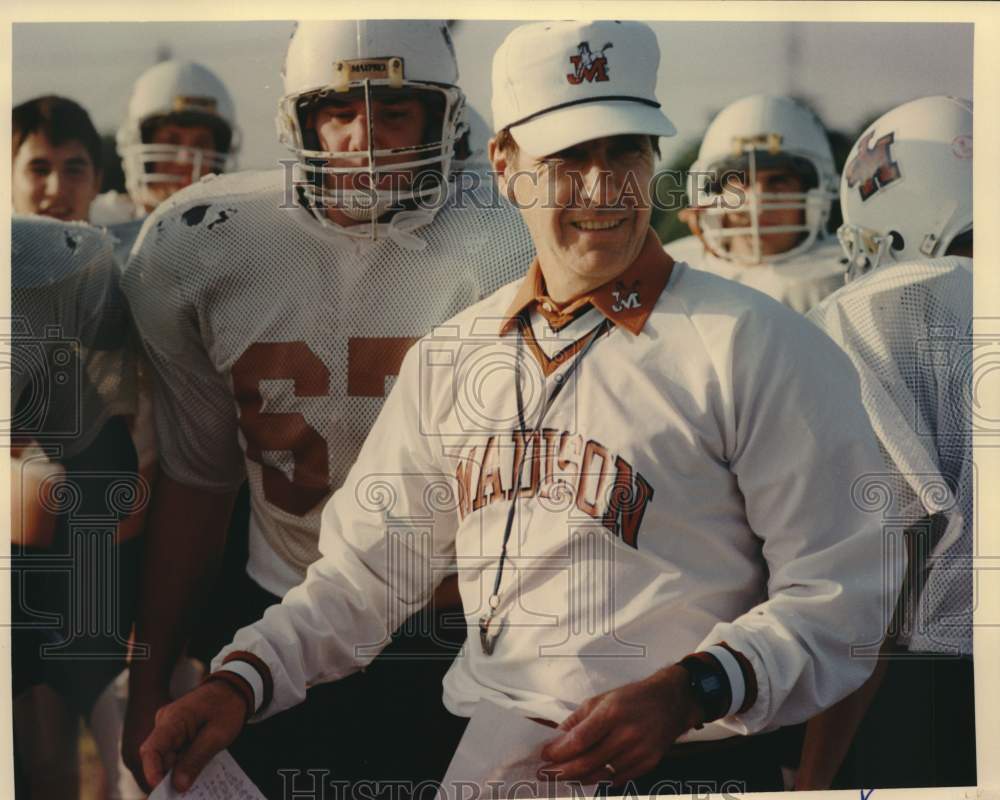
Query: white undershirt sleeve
[737, 685]
[251, 676]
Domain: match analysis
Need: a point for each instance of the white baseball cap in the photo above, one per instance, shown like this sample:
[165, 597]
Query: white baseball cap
[556, 84]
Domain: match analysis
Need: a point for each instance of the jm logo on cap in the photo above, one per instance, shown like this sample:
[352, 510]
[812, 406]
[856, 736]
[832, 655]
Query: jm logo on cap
[609, 91]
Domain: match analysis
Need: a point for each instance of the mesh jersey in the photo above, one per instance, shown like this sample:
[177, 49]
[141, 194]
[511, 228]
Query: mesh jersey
[72, 364]
[908, 328]
[142, 428]
[799, 282]
[125, 235]
[273, 339]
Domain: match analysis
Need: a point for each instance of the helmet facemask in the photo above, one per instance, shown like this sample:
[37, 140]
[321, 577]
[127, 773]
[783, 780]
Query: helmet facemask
[367, 185]
[867, 249]
[864, 248]
[143, 161]
[730, 188]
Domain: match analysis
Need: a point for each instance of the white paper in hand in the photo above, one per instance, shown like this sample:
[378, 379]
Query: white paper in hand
[222, 779]
[500, 755]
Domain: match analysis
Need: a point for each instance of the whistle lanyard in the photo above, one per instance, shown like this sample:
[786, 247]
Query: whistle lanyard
[488, 637]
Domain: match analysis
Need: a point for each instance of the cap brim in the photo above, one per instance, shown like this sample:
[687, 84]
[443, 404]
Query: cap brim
[565, 127]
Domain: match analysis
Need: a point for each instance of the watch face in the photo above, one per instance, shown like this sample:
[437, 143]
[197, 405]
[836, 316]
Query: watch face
[710, 687]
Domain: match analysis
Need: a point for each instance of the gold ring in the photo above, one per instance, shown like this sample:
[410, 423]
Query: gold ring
[610, 769]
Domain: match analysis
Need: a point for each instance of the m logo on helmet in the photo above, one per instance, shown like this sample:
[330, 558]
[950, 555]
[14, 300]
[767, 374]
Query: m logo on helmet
[872, 168]
[589, 66]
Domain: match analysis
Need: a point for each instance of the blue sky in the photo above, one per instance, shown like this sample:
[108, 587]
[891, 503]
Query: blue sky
[850, 71]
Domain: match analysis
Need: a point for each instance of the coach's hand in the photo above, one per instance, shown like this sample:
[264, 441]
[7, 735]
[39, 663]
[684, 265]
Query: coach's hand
[629, 728]
[140, 717]
[190, 731]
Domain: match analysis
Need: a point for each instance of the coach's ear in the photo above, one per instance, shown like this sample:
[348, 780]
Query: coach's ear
[499, 160]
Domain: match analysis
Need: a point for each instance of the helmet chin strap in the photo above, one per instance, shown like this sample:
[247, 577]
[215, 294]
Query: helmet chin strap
[934, 242]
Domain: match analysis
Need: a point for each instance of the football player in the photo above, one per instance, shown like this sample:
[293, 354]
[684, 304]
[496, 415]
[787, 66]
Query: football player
[73, 390]
[760, 194]
[276, 308]
[905, 318]
[56, 159]
[180, 126]
[63, 277]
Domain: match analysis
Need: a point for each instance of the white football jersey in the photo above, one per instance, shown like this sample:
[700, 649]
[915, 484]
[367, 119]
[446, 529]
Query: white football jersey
[119, 216]
[274, 339]
[908, 330]
[142, 427]
[72, 366]
[799, 282]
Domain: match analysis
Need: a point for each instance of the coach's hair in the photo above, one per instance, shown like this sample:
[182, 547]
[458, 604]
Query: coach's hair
[59, 120]
[507, 143]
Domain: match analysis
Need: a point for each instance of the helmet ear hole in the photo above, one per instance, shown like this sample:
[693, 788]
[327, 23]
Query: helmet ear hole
[898, 243]
[463, 149]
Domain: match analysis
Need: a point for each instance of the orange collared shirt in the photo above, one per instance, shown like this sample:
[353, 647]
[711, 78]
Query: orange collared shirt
[627, 299]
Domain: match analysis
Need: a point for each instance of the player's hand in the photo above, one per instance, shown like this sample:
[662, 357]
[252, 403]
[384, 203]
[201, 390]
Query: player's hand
[190, 731]
[631, 728]
[139, 720]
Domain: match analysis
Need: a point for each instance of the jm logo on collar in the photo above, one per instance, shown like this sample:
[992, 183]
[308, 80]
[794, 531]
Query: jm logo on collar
[625, 298]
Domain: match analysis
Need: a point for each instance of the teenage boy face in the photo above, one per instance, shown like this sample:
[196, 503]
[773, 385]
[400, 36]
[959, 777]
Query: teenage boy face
[54, 181]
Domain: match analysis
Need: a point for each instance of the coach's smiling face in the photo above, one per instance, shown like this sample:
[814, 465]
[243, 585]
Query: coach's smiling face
[587, 207]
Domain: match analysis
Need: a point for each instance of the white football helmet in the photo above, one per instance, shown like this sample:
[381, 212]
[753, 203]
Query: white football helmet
[906, 191]
[178, 91]
[368, 57]
[757, 132]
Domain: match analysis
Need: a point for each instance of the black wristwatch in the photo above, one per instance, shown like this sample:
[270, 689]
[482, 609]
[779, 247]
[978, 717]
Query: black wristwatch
[710, 684]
